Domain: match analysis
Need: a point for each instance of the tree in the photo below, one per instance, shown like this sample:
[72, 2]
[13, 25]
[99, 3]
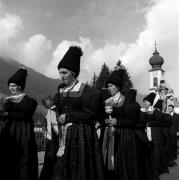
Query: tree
[127, 82]
[93, 81]
[103, 76]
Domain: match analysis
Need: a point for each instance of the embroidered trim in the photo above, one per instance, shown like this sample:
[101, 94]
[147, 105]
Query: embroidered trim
[115, 101]
[16, 98]
[75, 93]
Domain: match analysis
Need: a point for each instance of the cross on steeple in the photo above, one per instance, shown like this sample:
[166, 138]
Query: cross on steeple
[155, 52]
[155, 45]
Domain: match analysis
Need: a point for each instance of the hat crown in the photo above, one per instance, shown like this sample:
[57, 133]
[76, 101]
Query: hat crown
[19, 78]
[116, 78]
[71, 60]
[150, 97]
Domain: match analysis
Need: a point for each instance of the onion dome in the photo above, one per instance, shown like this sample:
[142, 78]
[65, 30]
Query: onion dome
[156, 60]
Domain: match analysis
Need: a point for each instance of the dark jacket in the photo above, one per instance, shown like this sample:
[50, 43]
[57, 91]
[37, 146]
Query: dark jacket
[125, 140]
[82, 158]
[21, 150]
[174, 128]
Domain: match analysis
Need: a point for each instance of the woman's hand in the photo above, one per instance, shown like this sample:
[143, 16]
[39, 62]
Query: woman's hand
[61, 119]
[108, 109]
[111, 121]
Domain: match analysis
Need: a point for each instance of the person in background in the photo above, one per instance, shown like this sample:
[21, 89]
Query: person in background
[164, 86]
[21, 150]
[2, 114]
[144, 154]
[160, 105]
[154, 133]
[77, 105]
[3, 120]
[119, 142]
[173, 132]
[166, 93]
[52, 139]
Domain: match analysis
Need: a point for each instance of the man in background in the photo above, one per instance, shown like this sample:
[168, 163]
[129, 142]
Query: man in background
[174, 128]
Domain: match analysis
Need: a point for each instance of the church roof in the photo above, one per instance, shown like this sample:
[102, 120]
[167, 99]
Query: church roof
[155, 68]
[156, 60]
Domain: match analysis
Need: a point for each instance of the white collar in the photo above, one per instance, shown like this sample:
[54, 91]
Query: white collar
[16, 98]
[149, 109]
[114, 99]
[53, 107]
[75, 87]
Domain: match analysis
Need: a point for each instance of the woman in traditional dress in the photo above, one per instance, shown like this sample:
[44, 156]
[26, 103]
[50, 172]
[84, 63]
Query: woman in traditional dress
[144, 154]
[119, 144]
[77, 104]
[21, 150]
[3, 120]
[155, 120]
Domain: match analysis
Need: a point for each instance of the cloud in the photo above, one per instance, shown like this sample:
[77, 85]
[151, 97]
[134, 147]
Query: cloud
[161, 20]
[10, 26]
[160, 26]
[35, 52]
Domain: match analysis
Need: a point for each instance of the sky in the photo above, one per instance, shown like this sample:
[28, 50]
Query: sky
[37, 33]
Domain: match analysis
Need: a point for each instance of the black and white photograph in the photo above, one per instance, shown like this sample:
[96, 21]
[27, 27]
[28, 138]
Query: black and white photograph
[89, 89]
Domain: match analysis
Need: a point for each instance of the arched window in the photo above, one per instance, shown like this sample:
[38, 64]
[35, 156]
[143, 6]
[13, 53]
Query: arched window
[155, 82]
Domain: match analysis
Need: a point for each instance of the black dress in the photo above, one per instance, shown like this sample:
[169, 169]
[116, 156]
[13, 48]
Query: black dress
[82, 159]
[125, 152]
[3, 159]
[173, 134]
[144, 154]
[19, 141]
[166, 123]
[158, 147]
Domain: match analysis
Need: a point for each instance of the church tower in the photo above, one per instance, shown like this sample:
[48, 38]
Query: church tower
[156, 73]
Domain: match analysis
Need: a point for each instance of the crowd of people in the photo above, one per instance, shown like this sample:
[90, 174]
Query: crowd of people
[90, 135]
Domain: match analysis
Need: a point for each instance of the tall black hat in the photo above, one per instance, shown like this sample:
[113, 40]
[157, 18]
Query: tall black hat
[71, 60]
[159, 104]
[116, 78]
[150, 97]
[19, 78]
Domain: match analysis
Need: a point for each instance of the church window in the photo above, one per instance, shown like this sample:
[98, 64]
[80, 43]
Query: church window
[155, 82]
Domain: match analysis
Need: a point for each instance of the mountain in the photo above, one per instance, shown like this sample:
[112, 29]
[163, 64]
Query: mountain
[38, 86]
